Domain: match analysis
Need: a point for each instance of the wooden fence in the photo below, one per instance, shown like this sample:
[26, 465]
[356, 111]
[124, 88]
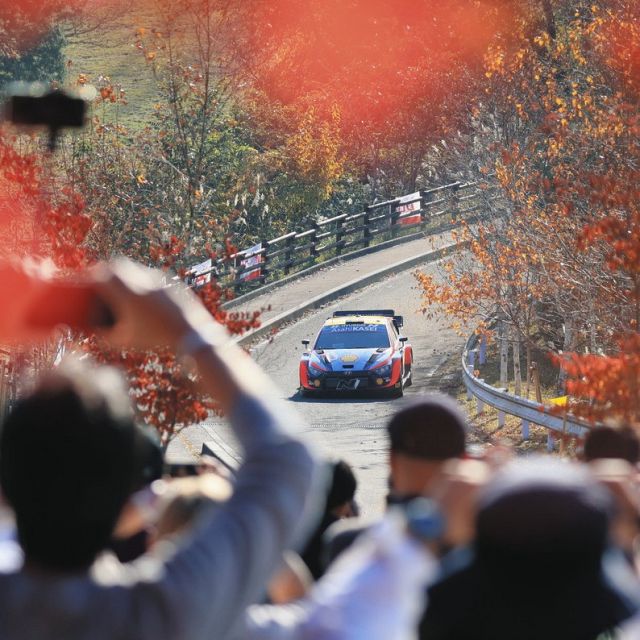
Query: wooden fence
[426, 210]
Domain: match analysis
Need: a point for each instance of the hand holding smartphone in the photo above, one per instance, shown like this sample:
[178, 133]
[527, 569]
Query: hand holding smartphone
[76, 306]
[32, 305]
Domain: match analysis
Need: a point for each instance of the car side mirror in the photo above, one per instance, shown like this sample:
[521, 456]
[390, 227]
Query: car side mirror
[305, 344]
[403, 338]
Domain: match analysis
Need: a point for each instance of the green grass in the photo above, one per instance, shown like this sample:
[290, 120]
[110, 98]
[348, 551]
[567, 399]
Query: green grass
[109, 51]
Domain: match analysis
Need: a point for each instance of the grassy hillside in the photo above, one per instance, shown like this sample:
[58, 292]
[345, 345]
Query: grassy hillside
[108, 49]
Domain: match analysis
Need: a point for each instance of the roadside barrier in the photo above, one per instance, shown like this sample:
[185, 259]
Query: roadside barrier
[528, 411]
[273, 260]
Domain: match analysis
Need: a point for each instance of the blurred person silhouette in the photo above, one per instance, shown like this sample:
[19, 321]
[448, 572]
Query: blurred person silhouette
[541, 564]
[181, 502]
[607, 441]
[376, 589]
[130, 537]
[613, 452]
[339, 504]
[68, 465]
[423, 437]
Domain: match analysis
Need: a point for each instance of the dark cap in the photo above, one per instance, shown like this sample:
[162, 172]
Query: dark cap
[432, 427]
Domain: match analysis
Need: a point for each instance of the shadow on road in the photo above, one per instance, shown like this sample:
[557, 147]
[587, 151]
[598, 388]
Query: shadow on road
[339, 398]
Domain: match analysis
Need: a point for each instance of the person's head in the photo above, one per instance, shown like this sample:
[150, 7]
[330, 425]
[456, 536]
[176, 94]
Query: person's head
[422, 437]
[342, 489]
[540, 557]
[543, 508]
[68, 463]
[607, 442]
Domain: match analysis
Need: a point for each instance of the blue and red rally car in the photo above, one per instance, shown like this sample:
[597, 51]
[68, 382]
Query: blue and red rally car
[357, 351]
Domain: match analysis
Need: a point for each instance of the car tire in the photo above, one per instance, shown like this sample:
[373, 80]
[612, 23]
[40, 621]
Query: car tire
[397, 393]
[409, 380]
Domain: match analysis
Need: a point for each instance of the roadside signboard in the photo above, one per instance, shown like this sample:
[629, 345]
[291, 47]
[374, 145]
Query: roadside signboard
[200, 274]
[408, 208]
[253, 257]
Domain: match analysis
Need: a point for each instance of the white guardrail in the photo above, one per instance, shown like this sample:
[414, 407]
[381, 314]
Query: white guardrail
[528, 411]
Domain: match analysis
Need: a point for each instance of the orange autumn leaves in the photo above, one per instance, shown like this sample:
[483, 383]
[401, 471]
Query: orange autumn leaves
[566, 258]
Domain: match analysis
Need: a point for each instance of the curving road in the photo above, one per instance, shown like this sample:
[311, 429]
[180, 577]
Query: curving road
[354, 428]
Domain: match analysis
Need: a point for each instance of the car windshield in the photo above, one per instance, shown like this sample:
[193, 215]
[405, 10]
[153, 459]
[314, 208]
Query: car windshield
[353, 336]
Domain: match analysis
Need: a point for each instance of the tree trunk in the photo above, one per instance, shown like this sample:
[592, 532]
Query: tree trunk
[549, 18]
[504, 353]
[567, 346]
[517, 374]
[527, 388]
[593, 335]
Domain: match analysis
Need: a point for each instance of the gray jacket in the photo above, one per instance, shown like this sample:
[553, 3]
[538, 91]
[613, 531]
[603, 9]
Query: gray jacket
[197, 586]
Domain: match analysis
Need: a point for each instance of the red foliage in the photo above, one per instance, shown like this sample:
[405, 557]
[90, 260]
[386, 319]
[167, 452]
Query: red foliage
[31, 224]
[606, 387]
[164, 394]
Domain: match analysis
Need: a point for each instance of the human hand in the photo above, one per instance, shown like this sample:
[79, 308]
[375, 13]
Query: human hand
[147, 312]
[456, 492]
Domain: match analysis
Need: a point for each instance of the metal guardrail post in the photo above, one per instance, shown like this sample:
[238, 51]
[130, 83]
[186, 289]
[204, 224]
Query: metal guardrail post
[479, 406]
[525, 429]
[313, 239]
[394, 218]
[339, 228]
[455, 201]
[551, 442]
[264, 265]
[288, 254]
[366, 232]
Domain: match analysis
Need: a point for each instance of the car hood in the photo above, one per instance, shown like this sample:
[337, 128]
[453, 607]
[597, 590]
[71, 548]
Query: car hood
[350, 359]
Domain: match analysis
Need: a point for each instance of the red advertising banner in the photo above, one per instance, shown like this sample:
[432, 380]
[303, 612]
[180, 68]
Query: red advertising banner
[253, 257]
[407, 205]
[200, 274]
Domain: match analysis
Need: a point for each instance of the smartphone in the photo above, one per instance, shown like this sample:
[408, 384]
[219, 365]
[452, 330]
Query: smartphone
[73, 305]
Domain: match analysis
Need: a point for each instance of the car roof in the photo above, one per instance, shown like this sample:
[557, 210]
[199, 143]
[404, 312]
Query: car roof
[357, 319]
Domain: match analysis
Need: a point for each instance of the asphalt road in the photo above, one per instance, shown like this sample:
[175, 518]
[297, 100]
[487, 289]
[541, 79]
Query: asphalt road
[353, 428]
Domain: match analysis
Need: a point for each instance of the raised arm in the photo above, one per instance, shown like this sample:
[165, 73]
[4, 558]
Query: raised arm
[207, 581]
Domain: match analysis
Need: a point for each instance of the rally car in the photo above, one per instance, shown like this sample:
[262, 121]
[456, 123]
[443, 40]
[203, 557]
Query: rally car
[357, 351]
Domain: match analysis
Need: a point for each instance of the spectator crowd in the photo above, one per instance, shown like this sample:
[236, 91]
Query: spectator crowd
[101, 543]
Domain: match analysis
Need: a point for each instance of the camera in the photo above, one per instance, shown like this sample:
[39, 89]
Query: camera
[28, 105]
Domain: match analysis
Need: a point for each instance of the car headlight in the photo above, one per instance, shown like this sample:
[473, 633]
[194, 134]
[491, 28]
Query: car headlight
[314, 371]
[384, 371]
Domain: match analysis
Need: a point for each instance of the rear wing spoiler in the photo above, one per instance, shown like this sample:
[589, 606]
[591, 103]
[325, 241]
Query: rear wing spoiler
[387, 313]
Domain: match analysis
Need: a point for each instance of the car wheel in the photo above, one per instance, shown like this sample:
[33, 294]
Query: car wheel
[409, 380]
[397, 392]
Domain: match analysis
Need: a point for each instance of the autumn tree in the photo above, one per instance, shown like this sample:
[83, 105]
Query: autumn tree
[563, 115]
[44, 218]
[399, 74]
